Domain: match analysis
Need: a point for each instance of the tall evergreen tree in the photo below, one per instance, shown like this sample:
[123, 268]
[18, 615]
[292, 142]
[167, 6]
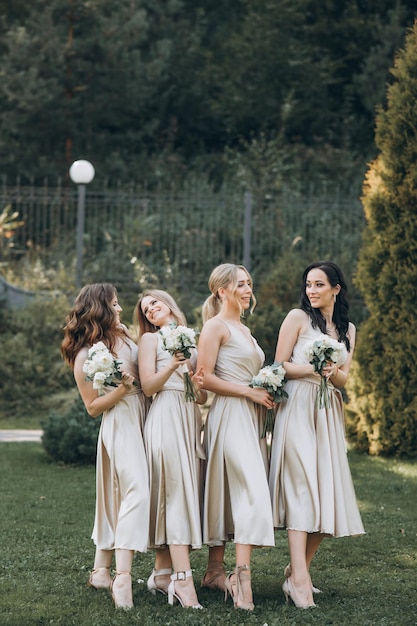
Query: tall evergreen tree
[385, 381]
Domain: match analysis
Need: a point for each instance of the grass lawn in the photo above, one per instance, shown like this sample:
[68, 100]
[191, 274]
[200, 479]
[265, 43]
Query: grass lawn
[46, 518]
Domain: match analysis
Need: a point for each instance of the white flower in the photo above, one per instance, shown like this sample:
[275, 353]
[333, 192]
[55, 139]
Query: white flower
[178, 339]
[319, 353]
[271, 378]
[181, 339]
[101, 368]
[99, 380]
[324, 349]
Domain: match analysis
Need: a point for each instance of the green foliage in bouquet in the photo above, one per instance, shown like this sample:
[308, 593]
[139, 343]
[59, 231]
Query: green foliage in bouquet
[71, 438]
[383, 405]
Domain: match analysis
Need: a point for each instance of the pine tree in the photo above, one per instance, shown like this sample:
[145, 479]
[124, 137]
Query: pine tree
[385, 376]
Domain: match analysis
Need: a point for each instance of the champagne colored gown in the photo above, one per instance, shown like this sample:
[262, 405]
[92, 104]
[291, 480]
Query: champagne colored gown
[173, 445]
[122, 485]
[237, 503]
[310, 481]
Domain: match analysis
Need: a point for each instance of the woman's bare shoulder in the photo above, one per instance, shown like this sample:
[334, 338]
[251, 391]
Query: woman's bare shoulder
[297, 316]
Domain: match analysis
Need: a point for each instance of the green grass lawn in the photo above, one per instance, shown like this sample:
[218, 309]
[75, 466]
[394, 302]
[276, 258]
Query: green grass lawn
[46, 518]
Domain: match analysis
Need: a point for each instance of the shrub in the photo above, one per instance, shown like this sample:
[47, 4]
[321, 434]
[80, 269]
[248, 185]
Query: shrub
[31, 365]
[71, 437]
[383, 391]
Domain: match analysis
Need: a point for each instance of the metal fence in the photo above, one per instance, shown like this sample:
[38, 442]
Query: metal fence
[132, 234]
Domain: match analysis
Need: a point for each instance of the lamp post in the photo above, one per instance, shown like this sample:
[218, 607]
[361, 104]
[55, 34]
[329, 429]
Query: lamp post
[81, 173]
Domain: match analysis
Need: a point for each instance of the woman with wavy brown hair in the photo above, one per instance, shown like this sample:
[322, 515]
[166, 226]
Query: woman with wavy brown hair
[122, 490]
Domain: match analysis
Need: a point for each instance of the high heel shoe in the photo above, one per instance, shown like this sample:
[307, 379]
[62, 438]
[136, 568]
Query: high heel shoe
[151, 583]
[100, 578]
[290, 593]
[121, 590]
[287, 574]
[215, 576]
[235, 588]
[173, 595]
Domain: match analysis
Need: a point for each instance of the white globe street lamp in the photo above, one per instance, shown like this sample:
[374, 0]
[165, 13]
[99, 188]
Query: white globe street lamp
[81, 173]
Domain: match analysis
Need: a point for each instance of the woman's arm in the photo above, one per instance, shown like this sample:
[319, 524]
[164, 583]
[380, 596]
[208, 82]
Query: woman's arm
[151, 380]
[95, 404]
[213, 335]
[289, 332]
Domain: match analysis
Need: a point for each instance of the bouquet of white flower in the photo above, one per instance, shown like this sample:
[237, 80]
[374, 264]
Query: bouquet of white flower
[101, 367]
[320, 352]
[271, 378]
[181, 339]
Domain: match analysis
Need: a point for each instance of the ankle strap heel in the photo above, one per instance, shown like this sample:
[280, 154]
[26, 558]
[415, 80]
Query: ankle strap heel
[173, 594]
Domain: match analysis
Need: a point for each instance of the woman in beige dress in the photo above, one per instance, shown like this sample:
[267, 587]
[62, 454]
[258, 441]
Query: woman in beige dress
[122, 489]
[173, 445]
[236, 501]
[310, 481]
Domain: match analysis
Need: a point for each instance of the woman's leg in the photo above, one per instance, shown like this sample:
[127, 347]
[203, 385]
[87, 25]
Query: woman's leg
[100, 576]
[182, 586]
[238, 583]
[300, 581]
[313, 542]
[122, 583]
[215, 573]
[161, 576]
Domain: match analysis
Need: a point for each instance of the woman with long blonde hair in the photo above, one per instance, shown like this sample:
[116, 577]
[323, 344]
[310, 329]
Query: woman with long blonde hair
[236, 501]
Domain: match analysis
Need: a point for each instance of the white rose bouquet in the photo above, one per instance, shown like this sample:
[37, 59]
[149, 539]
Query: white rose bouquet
[180, 339]
[101, 367]
[271, 378]
[319, 353]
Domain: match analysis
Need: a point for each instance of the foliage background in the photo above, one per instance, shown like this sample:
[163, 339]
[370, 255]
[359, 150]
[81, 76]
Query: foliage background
[154, 88]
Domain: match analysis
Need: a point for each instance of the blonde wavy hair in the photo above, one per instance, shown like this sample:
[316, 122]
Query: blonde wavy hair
[221, 277]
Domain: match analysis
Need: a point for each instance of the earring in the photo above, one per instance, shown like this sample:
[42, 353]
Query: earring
[335, 296]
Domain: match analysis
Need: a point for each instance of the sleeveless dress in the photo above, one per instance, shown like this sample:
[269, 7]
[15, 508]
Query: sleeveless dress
[236, 501]
[122, 486]
[310, 482]
[175, 453]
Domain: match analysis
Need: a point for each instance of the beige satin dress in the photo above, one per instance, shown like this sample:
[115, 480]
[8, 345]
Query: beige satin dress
[175, 454]
[122, 484]
[236, 502]
[310, 481]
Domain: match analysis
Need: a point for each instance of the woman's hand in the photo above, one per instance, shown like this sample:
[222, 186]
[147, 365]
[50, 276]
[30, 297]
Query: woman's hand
[198, 379]
[177, 359]
[127, 381]
[330, 370]
[261, 396]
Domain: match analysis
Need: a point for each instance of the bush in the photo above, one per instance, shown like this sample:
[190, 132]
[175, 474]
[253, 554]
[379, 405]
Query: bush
[383, 388]
[72, 437]
[31, 365]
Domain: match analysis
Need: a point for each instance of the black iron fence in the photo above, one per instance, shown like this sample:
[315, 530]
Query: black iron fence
[132, 234]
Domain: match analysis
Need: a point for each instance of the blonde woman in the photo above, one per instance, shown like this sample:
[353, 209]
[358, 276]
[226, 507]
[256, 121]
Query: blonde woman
[173, 445]
[236, 502]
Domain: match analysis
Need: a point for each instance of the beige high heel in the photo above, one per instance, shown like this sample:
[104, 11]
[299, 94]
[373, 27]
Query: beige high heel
[290, 593]
[121, 590]
[235, 588]
[287, 574]
[215, 576]
[100, 578]
[151, 583]
[173, 594]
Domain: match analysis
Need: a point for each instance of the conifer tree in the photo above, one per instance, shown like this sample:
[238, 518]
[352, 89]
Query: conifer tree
[384, 383]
